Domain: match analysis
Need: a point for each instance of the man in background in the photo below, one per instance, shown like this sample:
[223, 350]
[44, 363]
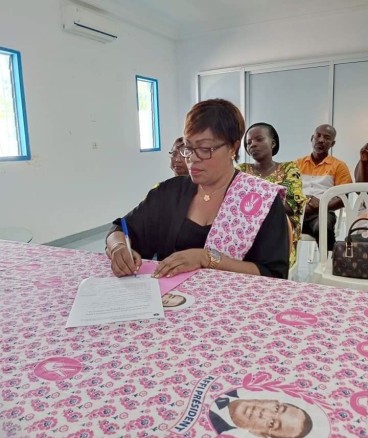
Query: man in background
[361, 169]
[320, 171]
[361, 175]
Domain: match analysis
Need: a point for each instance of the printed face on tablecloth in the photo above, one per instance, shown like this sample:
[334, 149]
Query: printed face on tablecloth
[243, 413]
[175, 300]
[269, 417]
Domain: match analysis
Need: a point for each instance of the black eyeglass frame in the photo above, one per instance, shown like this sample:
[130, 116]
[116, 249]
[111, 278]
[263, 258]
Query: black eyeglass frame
[174, 154]
[194, 150]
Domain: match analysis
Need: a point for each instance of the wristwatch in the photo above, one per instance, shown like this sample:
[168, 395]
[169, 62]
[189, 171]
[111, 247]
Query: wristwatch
[214, 258]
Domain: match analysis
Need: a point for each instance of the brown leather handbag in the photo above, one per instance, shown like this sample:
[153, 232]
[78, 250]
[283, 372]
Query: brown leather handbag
[350, 257]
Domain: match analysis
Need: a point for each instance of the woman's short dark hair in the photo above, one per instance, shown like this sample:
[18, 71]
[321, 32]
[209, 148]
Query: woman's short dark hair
[221, 116]
[178, 142]
[272, 131]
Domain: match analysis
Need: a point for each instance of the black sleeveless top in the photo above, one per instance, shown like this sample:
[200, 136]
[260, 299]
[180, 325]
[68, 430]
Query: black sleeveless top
[191, 235]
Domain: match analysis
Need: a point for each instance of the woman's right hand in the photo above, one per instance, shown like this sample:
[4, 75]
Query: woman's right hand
[122, 263]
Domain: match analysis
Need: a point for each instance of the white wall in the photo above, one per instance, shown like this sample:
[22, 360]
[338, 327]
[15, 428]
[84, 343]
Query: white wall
[316, 36]
[79, 91]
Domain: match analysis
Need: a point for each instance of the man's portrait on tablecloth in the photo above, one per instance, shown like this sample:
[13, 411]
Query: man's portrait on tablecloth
[249, 414]
[175, 300]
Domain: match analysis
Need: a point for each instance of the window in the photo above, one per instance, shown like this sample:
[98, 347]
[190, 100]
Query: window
[149, 125]
[14, 143]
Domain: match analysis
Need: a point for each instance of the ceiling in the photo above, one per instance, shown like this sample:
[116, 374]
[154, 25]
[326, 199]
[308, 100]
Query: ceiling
[180, 19]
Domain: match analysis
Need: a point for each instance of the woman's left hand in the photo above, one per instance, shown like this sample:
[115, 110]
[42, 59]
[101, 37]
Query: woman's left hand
[182, 261]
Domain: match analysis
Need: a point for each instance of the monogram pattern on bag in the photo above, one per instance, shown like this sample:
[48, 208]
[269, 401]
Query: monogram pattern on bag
[352, 261]
[356, 266]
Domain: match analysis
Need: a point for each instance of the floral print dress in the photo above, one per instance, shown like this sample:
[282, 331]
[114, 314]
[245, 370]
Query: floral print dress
[287, 174]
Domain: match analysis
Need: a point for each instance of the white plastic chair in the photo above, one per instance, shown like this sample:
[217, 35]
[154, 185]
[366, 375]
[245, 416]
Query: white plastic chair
[302, 238]
[312, 246]
[292, 269]
[313, 243]
[353, 204]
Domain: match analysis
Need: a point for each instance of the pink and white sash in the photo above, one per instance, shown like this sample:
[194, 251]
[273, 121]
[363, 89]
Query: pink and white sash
[243, 210]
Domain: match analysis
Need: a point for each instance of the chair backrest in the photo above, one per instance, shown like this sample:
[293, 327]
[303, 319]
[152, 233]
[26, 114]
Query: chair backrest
[352, 205]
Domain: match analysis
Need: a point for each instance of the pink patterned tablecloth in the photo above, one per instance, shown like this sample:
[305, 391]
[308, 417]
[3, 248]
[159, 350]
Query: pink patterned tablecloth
[275, 342]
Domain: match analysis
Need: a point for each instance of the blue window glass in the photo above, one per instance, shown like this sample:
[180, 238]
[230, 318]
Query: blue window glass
[148, 114]
[14, 143]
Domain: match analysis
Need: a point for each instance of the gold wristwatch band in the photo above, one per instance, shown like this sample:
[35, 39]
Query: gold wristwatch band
[214, 257]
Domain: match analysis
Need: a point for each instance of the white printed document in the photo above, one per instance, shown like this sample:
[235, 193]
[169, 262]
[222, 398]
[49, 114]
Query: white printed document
[112, 299]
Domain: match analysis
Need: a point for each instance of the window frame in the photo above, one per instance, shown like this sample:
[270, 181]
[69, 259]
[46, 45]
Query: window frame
[19, 102]
[155, 114]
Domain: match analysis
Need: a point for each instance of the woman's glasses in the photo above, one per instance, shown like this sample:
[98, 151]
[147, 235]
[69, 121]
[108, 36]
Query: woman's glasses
[201, 153]
[175, 154]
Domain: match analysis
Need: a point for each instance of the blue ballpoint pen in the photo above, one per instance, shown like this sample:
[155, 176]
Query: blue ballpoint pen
[124, 227]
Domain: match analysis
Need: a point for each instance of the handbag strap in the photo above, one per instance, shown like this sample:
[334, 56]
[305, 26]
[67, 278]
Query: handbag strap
[352, 229]
[349, 238]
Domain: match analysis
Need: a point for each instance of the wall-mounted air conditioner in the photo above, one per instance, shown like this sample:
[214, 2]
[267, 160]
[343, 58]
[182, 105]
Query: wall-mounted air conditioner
[89, 23]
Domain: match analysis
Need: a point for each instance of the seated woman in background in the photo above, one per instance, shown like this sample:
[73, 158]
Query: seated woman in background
[217, 217]
[177, 161]
[262, 143]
